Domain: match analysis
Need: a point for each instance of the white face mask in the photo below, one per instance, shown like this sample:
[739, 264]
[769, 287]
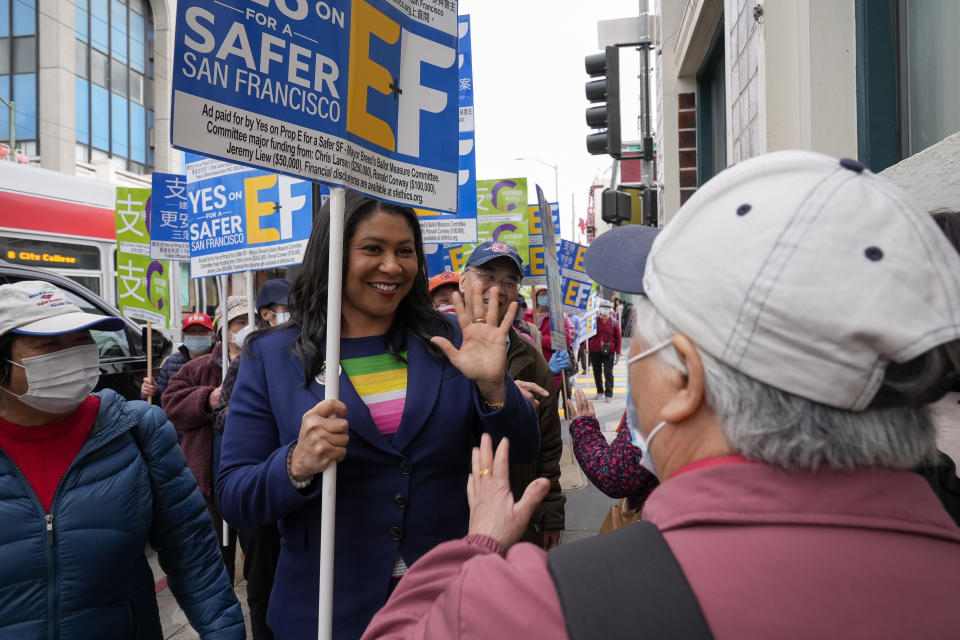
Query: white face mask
[58, 382]
[636, 437]
[282, 317]
[240, 336]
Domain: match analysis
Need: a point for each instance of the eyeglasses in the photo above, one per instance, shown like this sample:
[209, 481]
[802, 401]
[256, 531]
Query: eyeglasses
[488, 280]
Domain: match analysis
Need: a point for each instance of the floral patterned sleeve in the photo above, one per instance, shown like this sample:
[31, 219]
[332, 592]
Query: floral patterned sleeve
[613, 468]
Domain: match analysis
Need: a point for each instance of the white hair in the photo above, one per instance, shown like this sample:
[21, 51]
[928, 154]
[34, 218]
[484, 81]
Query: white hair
[785, 430]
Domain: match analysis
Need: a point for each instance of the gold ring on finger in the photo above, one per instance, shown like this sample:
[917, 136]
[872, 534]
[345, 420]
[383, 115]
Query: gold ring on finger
[484, 472]
[476, 320]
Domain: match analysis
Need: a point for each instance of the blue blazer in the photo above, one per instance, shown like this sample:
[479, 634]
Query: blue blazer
[405, 496]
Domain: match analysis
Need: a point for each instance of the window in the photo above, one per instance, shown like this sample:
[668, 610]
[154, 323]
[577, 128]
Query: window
[18, 72]
[113, 39]
[908, 84]
[712, 112]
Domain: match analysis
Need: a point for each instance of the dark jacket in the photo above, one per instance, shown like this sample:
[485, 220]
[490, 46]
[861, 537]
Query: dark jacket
[185, 402]
[524, 362]
[404, 495]
[169, 368]
[83, 573]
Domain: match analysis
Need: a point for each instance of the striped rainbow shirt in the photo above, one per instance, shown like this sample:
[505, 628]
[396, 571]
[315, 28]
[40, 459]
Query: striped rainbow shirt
[381, 382]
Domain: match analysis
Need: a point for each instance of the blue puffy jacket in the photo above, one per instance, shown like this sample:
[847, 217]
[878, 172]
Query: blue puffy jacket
[81, 571]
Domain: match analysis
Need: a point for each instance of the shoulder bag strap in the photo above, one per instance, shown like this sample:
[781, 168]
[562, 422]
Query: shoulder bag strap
[625, 584]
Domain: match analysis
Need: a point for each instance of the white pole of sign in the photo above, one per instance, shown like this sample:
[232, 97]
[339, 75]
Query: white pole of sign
[251, 296]
[328, 493]
[224, 364]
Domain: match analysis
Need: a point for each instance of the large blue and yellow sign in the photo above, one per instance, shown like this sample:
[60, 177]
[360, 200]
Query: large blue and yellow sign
[355, 93]
[244, 219]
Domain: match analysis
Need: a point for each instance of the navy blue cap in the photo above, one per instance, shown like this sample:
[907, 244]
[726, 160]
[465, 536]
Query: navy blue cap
[616, 259]
[491, 250]
[273, 292]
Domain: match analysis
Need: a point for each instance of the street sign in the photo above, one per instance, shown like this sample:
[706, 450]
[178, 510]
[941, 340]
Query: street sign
[357, 94]
[245, 219]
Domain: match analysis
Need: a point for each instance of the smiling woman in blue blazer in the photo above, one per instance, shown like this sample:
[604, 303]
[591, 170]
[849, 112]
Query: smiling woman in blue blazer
[416, 388]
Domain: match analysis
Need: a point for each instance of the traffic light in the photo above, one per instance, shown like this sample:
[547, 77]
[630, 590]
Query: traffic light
[615, 206]
[605, 91]
[649, 200]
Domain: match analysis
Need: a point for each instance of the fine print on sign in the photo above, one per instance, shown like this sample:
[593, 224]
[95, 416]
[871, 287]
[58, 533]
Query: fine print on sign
[359, 93]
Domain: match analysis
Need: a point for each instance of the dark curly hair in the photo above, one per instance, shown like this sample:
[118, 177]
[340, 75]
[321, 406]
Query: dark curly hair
[308, 293]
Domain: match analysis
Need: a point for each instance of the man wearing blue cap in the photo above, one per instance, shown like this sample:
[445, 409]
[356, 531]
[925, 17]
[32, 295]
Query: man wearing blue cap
[497, 263]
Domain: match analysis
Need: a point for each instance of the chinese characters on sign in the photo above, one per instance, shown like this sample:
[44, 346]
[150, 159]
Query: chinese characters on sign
[143, 284]
[169, 217]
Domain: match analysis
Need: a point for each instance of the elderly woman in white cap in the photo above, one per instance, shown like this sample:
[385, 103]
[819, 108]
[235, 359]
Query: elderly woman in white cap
[86, 481]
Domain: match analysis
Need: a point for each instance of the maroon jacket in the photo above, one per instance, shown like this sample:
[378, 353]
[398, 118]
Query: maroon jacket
[185, 401]
[607, 330]
[769, 553]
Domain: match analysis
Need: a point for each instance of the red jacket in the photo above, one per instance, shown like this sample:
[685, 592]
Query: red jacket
[607, 330]
[769, 553]
[185, 402]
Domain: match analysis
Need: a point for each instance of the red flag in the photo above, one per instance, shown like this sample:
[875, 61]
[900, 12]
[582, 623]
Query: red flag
[583, 226]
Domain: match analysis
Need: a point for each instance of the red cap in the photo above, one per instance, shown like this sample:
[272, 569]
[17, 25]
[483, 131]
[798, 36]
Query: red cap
[445, 278]
[197, 318]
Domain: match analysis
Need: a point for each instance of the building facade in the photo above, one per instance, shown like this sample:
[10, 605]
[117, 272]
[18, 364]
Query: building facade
[868, 79]
[90, 82]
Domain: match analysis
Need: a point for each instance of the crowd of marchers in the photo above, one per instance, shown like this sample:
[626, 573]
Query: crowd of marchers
[792, 346]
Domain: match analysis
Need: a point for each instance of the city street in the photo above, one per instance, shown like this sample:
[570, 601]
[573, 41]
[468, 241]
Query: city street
[585, 509]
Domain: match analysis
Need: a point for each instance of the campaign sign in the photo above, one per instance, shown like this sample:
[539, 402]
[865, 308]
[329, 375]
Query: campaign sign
[169, 213]
[558, 335]
[534, 271]
[352, 93]
[244, 219]
[438, 259]
[462, 227]
[576, 284]
[143, 284]
[593, 303]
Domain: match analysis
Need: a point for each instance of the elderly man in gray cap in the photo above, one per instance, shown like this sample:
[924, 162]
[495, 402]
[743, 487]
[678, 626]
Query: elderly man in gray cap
[800, 314]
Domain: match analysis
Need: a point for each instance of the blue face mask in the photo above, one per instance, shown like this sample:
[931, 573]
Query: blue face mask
[198, 344]
[543, 301]
[636, 436]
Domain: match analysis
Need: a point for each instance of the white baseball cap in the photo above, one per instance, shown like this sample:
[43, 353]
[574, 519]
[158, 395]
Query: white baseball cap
[37, 308]
[807, 273]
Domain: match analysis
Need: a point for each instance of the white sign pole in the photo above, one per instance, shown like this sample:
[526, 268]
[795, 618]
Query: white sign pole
[328, 493]
[251, 297]
[224, 364]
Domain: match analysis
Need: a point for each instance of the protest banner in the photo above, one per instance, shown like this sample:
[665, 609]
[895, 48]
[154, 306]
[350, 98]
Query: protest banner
[349, 93]
[143, 284]
[438, 227]
[558, 335]
[534, 271]
[169, 217]
[593, 304]
[575, 285]
[245, 219]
